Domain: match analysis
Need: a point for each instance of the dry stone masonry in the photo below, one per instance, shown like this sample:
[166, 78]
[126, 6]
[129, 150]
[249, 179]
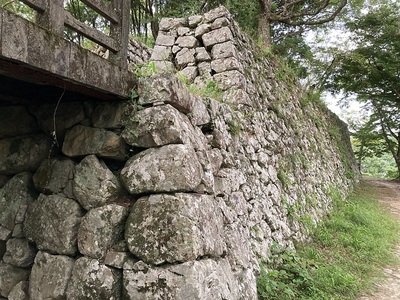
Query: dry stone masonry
[174, 195]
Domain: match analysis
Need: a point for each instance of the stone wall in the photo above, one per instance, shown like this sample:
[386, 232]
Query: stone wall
[174, 195]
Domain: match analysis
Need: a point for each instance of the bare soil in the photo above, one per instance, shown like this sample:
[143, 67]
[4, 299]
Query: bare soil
[388, 287]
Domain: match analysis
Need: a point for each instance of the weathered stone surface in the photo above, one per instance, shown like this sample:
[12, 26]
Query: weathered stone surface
[50, 275]
[20, 253]
[192, 228]
[52, 222]
[158, 126]
[216, 13]
[200, 115]
[185, 57]
[171, 23]
[10, 276]
[66, 116]
[220, 22]
[164, 66]
[117, 259]
[195, 280]
[110, 115]
[217, 36]
[100, 229]
[187, 42]
[165, 88]
[193, 21]
[94, 280]
[53, 175]
[165, 40]
[202, 29]
[183, 31]
[225, 64]
[23, 153]
[202, 54]
[17, 193]
[171, 168]
[190, 73]
[224, 50]
[15, 121]
[230, 79]
[161, 53]
[19, 291]
[82, 140]
[94, 184]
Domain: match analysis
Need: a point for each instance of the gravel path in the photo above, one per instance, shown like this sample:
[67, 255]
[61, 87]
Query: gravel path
[388, 288]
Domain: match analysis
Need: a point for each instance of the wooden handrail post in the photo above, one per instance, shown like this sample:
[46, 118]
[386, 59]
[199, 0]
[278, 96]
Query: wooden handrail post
[120, 32]
[53, 17]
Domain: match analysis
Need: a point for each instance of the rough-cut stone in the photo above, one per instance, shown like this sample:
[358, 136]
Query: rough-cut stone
[200, 115]
[53, 175]
[164, 66]
[82, 140]
[117, 259]
[183, 31]
[165, 40]
[10, 276]
[193, 21]
[17, 193]
[187, 42]
[52, 222]
[224, 50]
[100, 229]
[220, 22]
[230, 79]
[195, 280]
[216, 13]
[65, 116]
[110, 115]
[50, 276]
[225, 64]
[171, 168]
[20, 253]
[161, 53]
[190, 73]
[23, 153]
[19, 291]
[185, 57]
[191, 228]
[167, 24]
[93, 280]
[165, 88]
[94, 184]
[15, 121]
[158, 126]
[202, 29]
[202, 54]
[218, 36]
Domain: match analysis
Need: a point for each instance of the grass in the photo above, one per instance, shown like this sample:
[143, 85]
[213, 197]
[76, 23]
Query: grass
[349, 249]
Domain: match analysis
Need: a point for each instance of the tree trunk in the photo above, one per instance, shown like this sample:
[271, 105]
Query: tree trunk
[264, 23]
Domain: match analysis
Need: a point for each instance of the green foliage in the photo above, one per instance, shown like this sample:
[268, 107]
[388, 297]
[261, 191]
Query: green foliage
[285, 276]
[18, 8]
[145, 69]
[380, 167]
[210, 89]
[348, 249]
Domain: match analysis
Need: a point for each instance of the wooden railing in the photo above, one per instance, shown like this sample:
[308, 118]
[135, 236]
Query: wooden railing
[53, 16]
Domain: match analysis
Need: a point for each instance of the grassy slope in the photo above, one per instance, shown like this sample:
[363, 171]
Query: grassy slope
[347, 251]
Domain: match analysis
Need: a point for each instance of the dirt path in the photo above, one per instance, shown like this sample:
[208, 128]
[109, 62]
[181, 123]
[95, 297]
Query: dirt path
[389, 287]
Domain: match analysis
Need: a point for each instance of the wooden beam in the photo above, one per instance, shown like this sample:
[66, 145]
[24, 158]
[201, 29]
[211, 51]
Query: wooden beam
[38, 5]
[90, 32]
[103, 9]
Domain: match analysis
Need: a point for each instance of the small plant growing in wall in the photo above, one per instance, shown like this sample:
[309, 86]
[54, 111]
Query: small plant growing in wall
[145, 69]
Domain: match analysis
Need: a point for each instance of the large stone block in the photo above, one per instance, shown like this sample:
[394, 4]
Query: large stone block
[171, 168]
[224, 50]
[19, 291]
[94, 184]
[20, 253]
[100, 229]
[230, 79]
[10, 276]
[194, 280]
[165, 88]
[15, 33]
[23, 153]
[17, 193]
[82, 140]
[217, 36]
[53, 175]
[225, 64]
[185, 57]
[15, 121]
[175, 228]
[187, 42]
[167, 24]
[52, 222]
[50, 275]
[93, 280]
[158, 126]
[110, 115]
